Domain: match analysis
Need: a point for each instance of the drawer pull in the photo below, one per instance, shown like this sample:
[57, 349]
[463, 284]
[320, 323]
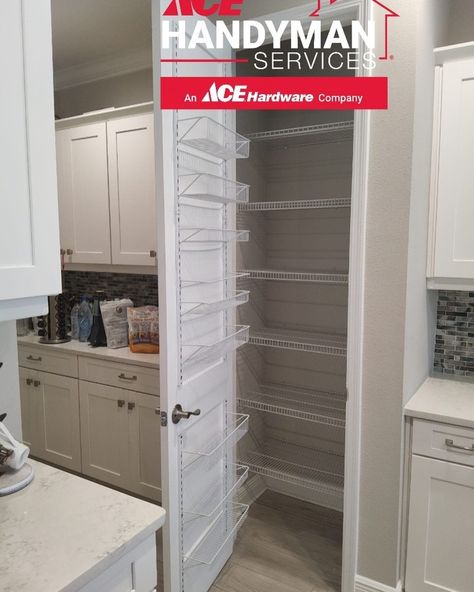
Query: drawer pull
[36, 383]
[33, 359]
[450, 444]
[120, 403]
[125, 377]
[29, 381]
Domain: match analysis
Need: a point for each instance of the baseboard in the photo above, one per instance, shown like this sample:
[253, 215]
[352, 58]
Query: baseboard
[366, 585]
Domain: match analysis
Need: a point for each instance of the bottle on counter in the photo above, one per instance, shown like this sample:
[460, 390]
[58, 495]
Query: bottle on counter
[97, 336]
[75, 321]
[85, 319]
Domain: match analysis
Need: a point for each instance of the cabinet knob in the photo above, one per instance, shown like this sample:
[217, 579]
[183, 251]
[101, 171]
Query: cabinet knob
[29, 381]
[69, 252]
[153, 254]
[62, 251]
[131, 406]
[120, 403]
[36, 383]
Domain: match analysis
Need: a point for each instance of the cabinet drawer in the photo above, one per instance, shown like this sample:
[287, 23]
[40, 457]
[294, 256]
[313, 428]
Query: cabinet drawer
[127, 376]
[438, 440]
[48, 360]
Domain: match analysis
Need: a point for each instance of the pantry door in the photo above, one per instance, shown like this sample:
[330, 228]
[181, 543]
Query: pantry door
[198, 334]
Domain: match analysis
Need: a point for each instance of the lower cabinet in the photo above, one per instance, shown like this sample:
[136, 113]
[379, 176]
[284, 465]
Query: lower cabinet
[120, 435]
[50, 417]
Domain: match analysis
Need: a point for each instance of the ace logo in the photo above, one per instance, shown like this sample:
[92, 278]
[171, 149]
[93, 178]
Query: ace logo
[204, 8]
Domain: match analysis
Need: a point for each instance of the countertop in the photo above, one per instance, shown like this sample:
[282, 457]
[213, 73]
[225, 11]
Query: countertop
[62, 531]
[84, 349]
[445, 400]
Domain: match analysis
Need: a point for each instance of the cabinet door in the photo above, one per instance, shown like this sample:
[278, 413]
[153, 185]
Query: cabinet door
[145, 449]
[29, 230]
[454, 250]
[31, 412]
[132, 190]
[104, 433]
[84, 193]
[440, 530]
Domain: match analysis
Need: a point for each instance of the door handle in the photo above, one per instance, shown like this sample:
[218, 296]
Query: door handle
[450, 444]
[178, 414]
[125, 377]
[33, 359]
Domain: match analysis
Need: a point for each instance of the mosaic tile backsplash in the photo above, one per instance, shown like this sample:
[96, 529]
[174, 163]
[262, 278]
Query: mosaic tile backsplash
[454, 349]
[141, 289]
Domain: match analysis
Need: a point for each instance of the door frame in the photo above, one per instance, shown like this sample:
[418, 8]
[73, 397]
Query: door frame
[346, 11]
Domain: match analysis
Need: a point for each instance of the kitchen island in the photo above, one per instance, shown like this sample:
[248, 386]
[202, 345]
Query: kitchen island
[66, 534]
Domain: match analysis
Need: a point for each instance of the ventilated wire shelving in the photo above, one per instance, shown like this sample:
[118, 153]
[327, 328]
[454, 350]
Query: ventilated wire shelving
[318, 480]
[219, 534]
[212, 188]
[306, 204]
[197, 352]
[193, 309]
[212, 138]
[318, 407]
[308, 130]
[296, 276]
[322, 343]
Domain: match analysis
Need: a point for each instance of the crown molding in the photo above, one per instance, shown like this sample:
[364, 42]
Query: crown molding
[107, 67]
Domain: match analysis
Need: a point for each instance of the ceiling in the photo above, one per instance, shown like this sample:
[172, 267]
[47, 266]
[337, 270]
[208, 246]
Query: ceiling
[88, 30]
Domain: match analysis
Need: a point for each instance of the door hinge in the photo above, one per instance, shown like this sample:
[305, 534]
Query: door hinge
[164, 419]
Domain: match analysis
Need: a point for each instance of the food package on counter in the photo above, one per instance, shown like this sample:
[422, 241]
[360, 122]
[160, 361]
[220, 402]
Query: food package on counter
[143, 330]
[114, 316]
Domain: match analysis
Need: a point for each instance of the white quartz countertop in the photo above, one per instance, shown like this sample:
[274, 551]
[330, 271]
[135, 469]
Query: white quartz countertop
[62, 531]
[444, 400]
[84, 349]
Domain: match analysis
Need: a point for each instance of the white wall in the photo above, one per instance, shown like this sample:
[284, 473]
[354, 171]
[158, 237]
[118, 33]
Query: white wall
[9, 385]
[460, 22]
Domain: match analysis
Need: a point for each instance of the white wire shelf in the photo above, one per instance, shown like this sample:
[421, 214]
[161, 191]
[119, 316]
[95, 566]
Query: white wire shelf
[190, 237]
[308, 130]
[186, 283]
[213, 138]
[211, 188]
[295, 474]
[207, 507]
[212, 352]
[307, 204]
[315, 406]
[192, 309]
[323, 343]
[217, 537]
[296, 276]
[237, 427]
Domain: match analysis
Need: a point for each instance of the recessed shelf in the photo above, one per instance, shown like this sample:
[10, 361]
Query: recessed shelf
[190, 237]
[211, 188]
[213, 138]
[295, 474]
[323, 128]
[296, 276]
[308, 204]
[212, 352]
[192, 309]
[318, 407]
[216, 538]
[207, 507]
[237, 427]
[323, 343]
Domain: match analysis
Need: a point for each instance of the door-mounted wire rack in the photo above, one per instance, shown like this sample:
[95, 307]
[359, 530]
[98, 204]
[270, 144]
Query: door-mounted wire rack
[190, 309]
[211, 137]
[212, 188]
[198, 352]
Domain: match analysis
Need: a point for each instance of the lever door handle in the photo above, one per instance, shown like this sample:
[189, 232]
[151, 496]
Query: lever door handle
[450, 444]
[178, 414]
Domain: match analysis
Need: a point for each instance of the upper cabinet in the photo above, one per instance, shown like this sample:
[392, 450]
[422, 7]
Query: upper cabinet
[106, 180]
[29, 230]
[451, 246]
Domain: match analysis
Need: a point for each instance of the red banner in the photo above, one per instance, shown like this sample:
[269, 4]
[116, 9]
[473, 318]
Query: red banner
[303, 93]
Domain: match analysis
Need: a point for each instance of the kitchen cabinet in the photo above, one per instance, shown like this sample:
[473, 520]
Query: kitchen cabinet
[451, 243]
[441, 511]
[106, 181]
[50, 416]
[29, 230]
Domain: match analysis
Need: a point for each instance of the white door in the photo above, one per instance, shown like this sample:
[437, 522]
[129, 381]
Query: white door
[131, 148]
[145, 448]
[454, 256]
[104, 433]
[441, 527]
[198, 333]
[29, 231]
[84, 193]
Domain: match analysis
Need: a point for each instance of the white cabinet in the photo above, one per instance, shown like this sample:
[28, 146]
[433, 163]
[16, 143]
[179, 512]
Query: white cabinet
[106, 180]
[84, 193]
[50, 416]
[451, 248]
[441, 517]
[29, 234]
[132, 190]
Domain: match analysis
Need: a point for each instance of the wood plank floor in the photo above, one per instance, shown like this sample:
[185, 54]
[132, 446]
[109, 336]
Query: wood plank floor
[285, 545]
